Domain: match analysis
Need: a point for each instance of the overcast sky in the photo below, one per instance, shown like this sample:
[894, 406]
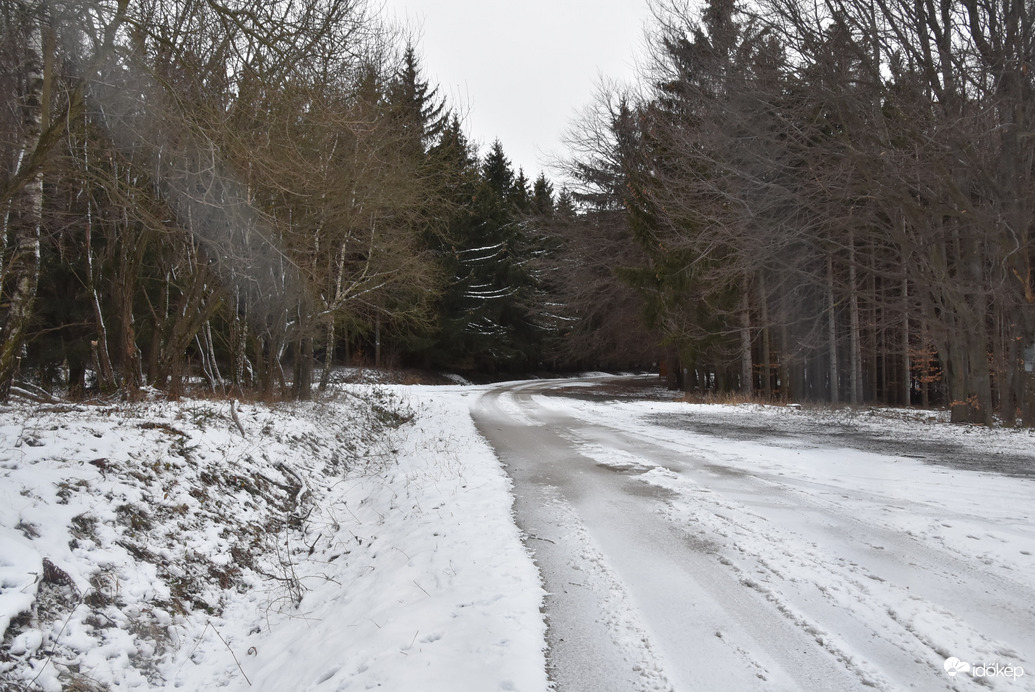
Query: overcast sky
[524, 68]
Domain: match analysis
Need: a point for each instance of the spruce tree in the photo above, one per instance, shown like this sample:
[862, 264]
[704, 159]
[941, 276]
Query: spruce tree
[542, 197]
[416, 105]
[487, 311]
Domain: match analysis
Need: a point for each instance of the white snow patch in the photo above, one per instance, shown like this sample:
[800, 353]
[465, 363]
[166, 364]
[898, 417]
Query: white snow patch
[364, 541]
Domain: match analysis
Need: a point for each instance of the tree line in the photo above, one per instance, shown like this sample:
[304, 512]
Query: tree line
[801, 200]
[831, 200]
[246, 193]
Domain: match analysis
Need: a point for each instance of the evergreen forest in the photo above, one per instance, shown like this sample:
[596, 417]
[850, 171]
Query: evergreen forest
[800, 200]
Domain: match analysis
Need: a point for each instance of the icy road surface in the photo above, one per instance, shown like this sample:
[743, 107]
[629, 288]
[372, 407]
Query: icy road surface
[738, 548]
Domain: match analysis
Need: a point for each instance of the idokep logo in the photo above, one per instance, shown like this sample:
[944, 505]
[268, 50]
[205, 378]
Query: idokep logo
[954, 667]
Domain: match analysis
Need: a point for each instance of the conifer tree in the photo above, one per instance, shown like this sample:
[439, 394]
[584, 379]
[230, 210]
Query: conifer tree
[415, 105]
[542, 197]
[487, 319]
[457, 166]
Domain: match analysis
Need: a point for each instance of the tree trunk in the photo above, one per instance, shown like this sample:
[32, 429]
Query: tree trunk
[1005, 368]
[377, 341]
[746, 368]
[925, 384]
[25, 215]
[206, 363]
[789, 388]
[832, 332]
[303, 384]
[207, 356]
[765, 372]
[906, 365]
[957, 372]
[328, 356]
[855, 346]
[131, 252]
[672, 368]
[105, 372]
[210, 344]
[239, 342]
[979, 376]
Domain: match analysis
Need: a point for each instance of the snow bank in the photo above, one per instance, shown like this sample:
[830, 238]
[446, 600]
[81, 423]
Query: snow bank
[358, 542]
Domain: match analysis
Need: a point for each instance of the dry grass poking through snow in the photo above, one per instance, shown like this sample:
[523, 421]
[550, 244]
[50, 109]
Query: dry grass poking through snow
[124, 527]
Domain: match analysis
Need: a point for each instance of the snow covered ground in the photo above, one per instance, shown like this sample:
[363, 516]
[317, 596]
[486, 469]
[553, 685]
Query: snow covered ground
[767, 547]
[367, 541]
[362, 542]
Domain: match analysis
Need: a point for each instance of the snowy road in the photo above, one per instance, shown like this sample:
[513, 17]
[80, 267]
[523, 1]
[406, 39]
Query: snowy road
[679, 557]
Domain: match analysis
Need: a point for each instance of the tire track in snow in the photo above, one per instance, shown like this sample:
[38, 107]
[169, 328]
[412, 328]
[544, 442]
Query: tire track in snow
[921, 632]
[712, 630]
[617, 613]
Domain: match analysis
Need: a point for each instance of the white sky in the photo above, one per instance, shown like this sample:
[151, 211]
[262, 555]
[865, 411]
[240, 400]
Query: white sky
[523, 69]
